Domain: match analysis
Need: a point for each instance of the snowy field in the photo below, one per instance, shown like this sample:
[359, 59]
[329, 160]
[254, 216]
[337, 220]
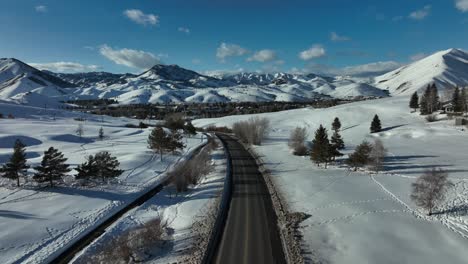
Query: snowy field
[359, 217]
[36, 222]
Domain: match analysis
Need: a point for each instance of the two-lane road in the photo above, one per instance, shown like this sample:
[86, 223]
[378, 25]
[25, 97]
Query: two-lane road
[250, 234]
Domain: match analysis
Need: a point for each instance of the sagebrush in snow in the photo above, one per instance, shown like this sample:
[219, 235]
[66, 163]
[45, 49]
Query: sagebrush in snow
[297, 140]
[252, 131]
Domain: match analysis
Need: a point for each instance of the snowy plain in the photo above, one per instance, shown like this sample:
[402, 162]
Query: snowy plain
[36, 222]
[362, 217]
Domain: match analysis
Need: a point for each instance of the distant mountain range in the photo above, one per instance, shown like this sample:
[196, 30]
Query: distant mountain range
[22, 83]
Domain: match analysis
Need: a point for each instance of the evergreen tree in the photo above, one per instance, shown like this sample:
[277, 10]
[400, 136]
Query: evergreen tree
[433, 99]
[101, 133]
[321, 150]
[423, 104]
[52, 167]
[456, 100]
[361, 155]
[463, 98]
[16, 167]
[414, 101]
[336, 143]
[87, 169]
[376, 126]
[176, 141]
[336, 125]
[102, 165]
[162, 142]
[189, 129]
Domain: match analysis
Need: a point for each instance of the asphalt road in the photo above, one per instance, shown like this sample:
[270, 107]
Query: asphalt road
[250, 234]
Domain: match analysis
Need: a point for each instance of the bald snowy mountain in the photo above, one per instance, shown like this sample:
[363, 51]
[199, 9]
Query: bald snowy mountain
[447, 69]
[22, 83]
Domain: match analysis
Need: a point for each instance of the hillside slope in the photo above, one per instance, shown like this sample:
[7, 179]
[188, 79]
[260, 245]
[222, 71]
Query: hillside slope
[448, 68]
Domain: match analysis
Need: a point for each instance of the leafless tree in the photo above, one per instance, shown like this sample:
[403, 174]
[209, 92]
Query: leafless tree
[252, 131]
[430, 188]
[377, 155]
[80, 130]
[296, 140]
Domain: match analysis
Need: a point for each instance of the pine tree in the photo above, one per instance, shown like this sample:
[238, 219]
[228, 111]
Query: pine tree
[101, 133]
[158, 140]
[414, 102]
[423, 104]
[102, 165]
[336, 125]
[376, 126]
[336, 143]
[176, 141]
[321, 150]
[16, 167]
[361, 155]
[433, 99]
[456, 100]
[52, 167]
[189, 129]
[463, 98]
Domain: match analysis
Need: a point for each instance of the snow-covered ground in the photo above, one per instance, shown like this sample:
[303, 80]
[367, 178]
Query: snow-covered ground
[358, 217]
[36, 222]
[180, 212]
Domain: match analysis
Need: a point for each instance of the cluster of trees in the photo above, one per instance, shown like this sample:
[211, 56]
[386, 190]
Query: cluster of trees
[368, 154]
[252, 131]
[53, 166]
[430, 100]
[163, 141]
[325, 150]
[9, 116]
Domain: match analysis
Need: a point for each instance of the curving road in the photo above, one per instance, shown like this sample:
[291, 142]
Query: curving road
[250, 234]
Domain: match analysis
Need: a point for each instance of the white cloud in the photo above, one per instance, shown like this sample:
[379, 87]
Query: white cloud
[421, 13]
[264, 55]
[364, 70]
[41, 8]
[337, 38]
[315, 51]
[418, 56]
[229, 50]
[462, 5]
[139, 17]
[184, 30]
[131, 58]
[63, 66]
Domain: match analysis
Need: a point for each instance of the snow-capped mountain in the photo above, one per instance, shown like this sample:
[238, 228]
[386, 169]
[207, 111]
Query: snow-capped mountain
[448, 68]
[22, 83]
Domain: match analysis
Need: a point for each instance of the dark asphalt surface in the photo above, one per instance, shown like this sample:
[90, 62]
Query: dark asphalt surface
[250, 234]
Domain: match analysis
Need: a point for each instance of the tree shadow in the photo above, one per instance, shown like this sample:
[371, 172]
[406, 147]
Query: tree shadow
[391, 127]
[17, 215]
[458, 210]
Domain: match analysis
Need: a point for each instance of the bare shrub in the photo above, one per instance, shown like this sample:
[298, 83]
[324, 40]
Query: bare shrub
[296, 141]
[125, 247]
[252, 131]
[431, 118]
[377, 155]
[430, 188]
[190, 172]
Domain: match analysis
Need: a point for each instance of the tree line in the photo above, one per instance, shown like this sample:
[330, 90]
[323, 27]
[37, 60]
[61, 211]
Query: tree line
[53, 167]
[429, 102]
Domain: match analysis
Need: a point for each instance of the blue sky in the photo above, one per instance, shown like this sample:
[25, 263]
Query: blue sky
[228, 35]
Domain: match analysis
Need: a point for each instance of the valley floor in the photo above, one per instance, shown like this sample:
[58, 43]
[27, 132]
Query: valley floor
[360, 217]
